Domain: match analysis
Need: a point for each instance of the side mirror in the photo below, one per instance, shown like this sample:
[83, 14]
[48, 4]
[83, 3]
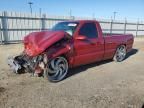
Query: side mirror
[81, 37]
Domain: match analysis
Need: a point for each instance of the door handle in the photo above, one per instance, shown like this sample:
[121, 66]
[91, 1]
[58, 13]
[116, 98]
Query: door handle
[90, 42]
[109, 42]
[93, 43]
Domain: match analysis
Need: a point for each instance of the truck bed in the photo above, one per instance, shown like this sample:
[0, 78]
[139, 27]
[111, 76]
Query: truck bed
[114, 34]
[112, 41]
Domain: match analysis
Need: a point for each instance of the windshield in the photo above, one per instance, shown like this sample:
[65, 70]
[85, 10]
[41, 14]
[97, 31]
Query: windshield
[68, 27]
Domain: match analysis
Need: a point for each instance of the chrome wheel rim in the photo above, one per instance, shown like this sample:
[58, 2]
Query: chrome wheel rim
[121, 53]
[58, 69]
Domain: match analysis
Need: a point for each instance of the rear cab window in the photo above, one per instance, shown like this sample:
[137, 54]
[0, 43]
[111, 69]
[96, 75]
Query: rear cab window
[89, 30]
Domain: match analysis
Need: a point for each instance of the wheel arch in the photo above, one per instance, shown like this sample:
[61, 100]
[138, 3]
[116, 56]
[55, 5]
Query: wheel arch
[123, 44]
[120, 45]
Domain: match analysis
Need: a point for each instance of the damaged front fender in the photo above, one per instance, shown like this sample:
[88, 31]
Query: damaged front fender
[64, 50]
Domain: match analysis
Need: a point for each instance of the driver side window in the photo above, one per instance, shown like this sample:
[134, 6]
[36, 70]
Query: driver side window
[89, 30]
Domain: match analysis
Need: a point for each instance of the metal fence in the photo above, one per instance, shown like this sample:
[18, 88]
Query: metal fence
[14, 26]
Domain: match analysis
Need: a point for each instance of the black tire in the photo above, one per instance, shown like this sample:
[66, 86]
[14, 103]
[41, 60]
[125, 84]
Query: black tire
[120, 53]
[57, 69]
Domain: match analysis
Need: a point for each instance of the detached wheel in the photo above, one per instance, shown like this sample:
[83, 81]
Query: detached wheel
[120, 53]
[57, 69]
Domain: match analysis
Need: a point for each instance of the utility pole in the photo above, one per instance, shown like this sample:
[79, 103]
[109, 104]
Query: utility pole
[30, 4]
[114, 14]
[70, 13]
[93, 16]
[40, 11]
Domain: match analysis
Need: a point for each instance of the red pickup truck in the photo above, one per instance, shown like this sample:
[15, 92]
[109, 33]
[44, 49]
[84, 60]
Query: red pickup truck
[67, 45]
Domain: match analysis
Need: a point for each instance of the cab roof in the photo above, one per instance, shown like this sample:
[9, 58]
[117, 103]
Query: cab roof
[81, 21]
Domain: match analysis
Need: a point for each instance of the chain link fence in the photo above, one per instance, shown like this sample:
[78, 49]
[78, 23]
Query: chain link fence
[14, 26]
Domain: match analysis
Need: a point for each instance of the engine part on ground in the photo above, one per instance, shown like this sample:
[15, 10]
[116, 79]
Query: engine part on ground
[14, 65]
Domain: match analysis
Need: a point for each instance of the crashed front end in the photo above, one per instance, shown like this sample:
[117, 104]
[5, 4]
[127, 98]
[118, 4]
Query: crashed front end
[39, 49]
[24, 63]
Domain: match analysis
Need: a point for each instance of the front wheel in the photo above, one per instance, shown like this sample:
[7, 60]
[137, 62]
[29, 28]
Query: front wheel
[120, 53]
[57, 69]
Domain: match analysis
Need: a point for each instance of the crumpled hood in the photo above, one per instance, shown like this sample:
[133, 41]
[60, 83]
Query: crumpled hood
[36, 42]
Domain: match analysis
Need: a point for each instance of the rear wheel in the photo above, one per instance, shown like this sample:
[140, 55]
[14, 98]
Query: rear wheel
[57, 69]
[120, 53]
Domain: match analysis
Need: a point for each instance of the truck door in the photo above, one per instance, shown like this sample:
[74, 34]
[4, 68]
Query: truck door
[89, 46]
